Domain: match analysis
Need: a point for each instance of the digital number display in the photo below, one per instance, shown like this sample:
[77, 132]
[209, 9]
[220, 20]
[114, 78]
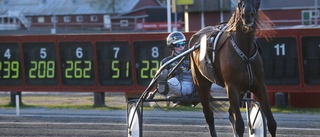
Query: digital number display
[76, 60]
[40, 63]
[10, 65]
[114, 63]
[280, 60]
[148, 55]
[311, 59]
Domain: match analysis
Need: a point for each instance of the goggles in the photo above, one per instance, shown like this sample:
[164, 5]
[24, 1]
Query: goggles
[180, 44]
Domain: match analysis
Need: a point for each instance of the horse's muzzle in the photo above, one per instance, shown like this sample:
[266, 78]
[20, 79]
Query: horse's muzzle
[248, 21]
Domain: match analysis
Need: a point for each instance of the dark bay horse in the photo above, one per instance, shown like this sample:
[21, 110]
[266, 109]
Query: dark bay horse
[234, 63]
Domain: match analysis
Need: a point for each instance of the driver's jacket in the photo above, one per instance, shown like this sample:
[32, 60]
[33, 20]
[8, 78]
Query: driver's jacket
[182, 73]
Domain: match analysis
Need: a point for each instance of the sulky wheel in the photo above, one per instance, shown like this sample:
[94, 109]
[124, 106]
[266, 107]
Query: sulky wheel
[133, 121]
[257, 121]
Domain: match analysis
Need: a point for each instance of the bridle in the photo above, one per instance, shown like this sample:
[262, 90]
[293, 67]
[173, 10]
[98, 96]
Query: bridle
[254, 3]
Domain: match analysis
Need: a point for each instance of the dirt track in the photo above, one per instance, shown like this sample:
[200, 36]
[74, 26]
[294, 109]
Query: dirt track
[156, 123]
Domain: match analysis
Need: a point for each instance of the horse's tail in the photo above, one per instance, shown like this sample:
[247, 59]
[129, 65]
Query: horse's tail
[191, 43]
[217, 107]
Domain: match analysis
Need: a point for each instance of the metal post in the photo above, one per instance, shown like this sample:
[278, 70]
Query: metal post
[99, 99]
[221, 11]
[175, 21]
[186, 19]
[17, 105]
[169, 15]
[54, 21]
[13, 98]
[202, 15]
[174, 3]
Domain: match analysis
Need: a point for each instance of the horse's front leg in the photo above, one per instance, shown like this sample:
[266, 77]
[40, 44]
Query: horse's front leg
[231, 118]
[235, 117]
[264, 103]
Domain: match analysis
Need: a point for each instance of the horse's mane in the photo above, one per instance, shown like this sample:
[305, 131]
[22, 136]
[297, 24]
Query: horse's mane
[262, 23]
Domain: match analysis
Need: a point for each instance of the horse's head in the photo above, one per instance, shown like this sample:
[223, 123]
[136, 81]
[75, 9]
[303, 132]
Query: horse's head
[248, 10]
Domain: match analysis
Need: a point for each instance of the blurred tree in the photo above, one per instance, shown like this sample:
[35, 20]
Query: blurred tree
[163, 2]
[106, 4]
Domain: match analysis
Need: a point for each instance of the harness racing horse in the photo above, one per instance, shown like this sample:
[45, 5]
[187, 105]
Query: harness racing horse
[234, 62]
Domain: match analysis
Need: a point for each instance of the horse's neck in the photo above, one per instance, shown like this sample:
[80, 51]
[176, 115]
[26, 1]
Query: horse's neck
[245, 40]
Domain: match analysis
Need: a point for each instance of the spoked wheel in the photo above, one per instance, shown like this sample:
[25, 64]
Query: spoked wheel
[257, 125]
[133, 121]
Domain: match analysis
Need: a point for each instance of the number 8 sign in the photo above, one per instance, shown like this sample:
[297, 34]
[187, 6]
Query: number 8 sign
[148, 55]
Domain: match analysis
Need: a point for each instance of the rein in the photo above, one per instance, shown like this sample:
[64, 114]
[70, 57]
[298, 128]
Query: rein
[245, 58]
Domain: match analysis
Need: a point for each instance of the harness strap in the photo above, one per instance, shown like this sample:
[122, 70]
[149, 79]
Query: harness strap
[216, 39]
[245, 58]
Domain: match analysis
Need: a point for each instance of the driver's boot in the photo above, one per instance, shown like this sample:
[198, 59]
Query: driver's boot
[163, 87]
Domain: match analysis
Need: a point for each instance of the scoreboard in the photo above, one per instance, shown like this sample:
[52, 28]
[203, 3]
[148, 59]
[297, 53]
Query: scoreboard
[101, 62]
[128, 62]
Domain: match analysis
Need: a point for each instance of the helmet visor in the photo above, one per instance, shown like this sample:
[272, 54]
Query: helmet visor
[179, 44]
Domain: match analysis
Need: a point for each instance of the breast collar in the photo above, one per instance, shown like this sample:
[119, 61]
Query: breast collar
[245, 58]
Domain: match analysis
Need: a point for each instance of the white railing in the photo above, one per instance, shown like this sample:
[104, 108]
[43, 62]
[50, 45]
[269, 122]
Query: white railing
[9, 26]
[20, 16]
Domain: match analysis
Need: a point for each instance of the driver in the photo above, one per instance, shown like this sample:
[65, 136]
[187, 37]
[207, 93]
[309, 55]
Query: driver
[180, 83]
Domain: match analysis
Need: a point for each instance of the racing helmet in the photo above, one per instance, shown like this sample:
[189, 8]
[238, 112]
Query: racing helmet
[174, 38]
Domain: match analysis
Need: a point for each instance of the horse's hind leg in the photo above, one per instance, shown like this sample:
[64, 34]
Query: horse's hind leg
[203, 86]
[264, 103]
[204, 95]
